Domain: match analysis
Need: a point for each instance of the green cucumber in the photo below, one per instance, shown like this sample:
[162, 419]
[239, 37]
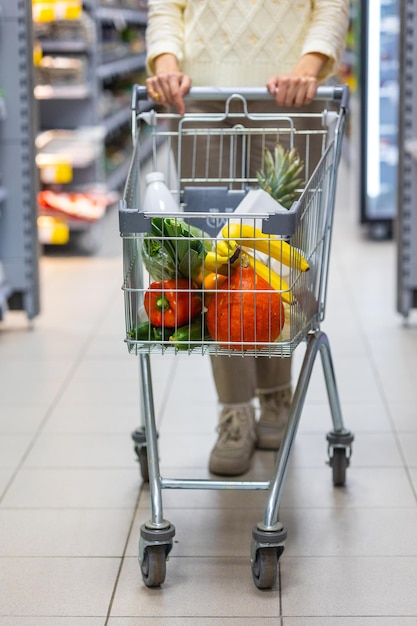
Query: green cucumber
[142, 332]
[145, 331]
[190, 335]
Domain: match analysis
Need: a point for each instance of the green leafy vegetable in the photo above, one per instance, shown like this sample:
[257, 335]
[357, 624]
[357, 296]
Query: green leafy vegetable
[174, 248]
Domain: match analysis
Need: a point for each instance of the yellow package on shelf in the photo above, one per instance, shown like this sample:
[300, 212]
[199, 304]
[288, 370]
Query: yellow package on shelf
[52, 230]
[51, 10]
[55, 171]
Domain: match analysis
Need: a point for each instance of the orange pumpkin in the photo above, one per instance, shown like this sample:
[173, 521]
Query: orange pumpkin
[246, 310]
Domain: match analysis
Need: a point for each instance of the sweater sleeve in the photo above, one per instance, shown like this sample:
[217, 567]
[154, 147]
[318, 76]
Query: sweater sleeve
[165, 30]
[327, 32]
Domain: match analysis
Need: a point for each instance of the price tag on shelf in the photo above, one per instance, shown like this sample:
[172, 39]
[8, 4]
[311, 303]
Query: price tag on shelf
[54, 171]
[52, 230]
[51, 10]
[37, 54]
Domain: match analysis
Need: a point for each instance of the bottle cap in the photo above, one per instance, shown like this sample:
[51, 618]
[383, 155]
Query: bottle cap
[155, 176]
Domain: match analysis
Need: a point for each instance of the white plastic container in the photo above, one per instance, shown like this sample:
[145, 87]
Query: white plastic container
[158, 198]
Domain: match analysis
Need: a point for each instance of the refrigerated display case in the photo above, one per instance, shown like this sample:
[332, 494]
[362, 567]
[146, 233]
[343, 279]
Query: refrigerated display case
[379, 94]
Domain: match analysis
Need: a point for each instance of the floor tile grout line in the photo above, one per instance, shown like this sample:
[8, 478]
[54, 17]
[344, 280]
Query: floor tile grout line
[78, 359]
[395, 432]
[123, 557]
[372, 363]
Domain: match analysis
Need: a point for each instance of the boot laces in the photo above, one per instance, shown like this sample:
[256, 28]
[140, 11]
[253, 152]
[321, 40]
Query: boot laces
[232, 421]
[275, 403]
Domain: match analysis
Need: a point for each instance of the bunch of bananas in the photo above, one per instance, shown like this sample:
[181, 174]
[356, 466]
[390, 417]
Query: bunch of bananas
[233, 249]
[278, 249]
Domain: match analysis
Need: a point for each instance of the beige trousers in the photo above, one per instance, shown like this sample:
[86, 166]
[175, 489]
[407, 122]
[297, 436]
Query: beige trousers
[239, 379]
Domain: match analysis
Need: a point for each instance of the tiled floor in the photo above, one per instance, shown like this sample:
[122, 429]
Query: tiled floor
[72, 501]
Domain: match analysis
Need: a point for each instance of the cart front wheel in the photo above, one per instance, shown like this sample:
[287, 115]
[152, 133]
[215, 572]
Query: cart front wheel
[265, 567]
[142, 454]
[339, 463]
[153, 566]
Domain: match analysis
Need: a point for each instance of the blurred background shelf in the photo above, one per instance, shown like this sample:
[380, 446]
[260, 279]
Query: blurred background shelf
[85, 69]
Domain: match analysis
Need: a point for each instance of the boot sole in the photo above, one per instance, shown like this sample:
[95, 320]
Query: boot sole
[270, 441]
[223, 468]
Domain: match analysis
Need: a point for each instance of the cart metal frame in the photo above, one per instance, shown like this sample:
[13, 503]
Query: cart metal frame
[307, 225]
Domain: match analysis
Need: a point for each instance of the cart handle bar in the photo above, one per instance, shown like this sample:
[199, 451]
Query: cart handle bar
[336, 93]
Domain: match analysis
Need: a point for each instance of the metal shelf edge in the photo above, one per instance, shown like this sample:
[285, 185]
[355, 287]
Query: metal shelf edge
[116, 120]
[117, 178]
[120, 66]
[119, 13]
[55, 45]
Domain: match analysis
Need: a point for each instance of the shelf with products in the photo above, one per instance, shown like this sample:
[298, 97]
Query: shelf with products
[347, 72]
[84, 77]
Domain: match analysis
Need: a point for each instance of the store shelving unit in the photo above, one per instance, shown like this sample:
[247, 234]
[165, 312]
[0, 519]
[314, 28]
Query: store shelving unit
[19, 259]
[110, 44]
[407, 170]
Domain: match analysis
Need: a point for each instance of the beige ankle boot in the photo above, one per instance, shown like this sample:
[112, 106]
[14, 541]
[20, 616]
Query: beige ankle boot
[233, 450]
[275, 410]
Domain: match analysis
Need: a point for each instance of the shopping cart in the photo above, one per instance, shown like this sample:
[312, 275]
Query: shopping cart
[233, 274]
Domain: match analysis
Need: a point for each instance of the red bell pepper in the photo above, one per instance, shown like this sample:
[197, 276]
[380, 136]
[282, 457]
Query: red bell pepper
[171, 303]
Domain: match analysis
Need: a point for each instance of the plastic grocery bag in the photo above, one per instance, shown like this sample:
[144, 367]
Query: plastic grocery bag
[257, 201]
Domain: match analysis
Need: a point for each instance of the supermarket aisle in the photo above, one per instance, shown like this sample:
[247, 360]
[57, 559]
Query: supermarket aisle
[71, 497]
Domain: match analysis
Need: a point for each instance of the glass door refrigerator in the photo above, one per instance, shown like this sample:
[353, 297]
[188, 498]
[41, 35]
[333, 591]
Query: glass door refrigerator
[379, 95]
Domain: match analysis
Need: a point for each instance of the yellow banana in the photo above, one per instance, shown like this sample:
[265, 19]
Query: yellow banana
[226, 248]
[213, 261]
[226, 254]
[218, 263]
[272, 278]
[278, 249]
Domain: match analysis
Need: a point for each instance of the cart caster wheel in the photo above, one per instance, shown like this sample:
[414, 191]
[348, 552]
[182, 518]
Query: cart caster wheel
[153, 566]
[265, 567]
[142, 454]
[339, 455]
[339, 462]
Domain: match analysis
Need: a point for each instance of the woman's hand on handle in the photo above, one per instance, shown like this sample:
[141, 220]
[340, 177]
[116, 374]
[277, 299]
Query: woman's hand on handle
[299, 87]
[168, 86]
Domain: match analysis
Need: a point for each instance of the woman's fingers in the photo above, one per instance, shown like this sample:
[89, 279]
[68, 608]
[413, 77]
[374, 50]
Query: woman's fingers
[169, 89]
[292, 91]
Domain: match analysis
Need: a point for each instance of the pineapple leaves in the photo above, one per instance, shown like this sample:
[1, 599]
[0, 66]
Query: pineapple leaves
[281, 175]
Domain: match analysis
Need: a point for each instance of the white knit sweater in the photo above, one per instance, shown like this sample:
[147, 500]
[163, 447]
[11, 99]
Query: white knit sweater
[244, 42]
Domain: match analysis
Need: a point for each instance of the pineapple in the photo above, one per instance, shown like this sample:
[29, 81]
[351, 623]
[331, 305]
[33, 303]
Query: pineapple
[281, 174]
